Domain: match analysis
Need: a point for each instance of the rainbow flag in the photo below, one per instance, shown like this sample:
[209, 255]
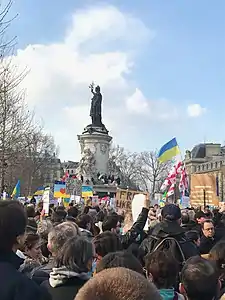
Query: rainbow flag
[16, 190]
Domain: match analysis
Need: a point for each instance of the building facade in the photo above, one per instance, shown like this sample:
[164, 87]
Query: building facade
[205, 165]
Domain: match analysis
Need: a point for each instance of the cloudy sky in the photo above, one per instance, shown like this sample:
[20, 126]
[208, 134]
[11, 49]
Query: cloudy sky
[160, 64]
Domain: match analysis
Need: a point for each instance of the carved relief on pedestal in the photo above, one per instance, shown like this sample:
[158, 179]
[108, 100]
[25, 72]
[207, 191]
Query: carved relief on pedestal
[82, 146]
[103, 148]
[87, 165]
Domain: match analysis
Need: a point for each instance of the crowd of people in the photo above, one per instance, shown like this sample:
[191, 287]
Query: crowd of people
[97, 253]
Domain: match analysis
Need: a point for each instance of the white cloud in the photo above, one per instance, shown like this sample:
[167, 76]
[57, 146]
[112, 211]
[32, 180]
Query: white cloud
[137, 103]
[195, 110]
[99, 45]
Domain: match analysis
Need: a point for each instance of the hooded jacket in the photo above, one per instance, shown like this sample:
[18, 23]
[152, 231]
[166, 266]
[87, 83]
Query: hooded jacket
[64, 284]
[42, 273]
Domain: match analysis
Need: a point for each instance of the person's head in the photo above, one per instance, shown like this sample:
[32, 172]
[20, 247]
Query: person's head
[32, 246]
[208, 228]
[123, 259]
[199, 279]
[217, 254]
[58, 215]
[84, 221]
[106, 242]
[31, 226]
[162, 269]
[44, 227]
[111, 223]
[185, 218]
[77, 255]
[171, 213]
[117, 284]
[30, 210]
[193, 236]
[60, 234]
[12, 225]
[200, 217]
[72, 212]
[97, 89]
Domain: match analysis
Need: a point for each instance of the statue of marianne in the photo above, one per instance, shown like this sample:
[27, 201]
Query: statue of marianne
[96, 106]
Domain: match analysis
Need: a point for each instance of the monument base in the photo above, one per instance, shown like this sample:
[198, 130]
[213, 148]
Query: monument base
[95, 141]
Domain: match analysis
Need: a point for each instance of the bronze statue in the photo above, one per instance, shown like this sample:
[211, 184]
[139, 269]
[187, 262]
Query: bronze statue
[96, 106]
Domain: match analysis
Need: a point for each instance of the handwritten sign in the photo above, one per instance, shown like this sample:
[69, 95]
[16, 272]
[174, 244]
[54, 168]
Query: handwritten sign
[124, 198]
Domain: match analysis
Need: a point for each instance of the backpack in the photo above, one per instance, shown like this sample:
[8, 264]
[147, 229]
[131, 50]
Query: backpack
[172, 245]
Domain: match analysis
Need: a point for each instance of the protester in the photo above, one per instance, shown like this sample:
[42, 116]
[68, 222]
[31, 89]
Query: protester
[194, 237]
[199, 280]
[72, 266]
[14, 285]
[105, 243]
[117, 284]
[208, 239]
[56, 239]
[72, 213]
[58, 215]
[33, 254]
[84, 222]
[122, 259]
[200, 217]
[217, 255]
[162, 269]
[170, 235]
[44, 227]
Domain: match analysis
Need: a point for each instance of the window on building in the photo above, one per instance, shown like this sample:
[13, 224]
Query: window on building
[71, 171]
[216, 165]
[68, 171]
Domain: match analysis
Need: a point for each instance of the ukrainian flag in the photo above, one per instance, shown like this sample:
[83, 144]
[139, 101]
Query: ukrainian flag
[168, 151]
[16, 190]
[87, 191]
[39, 191]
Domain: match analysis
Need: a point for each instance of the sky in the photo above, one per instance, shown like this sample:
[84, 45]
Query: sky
[160, 65]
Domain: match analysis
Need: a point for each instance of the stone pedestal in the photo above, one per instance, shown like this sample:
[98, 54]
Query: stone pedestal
[95, 143]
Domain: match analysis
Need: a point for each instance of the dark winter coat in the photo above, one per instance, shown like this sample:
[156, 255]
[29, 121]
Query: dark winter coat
[14, 285]
[206, 244]
[42, 273]
[136, 230]
[168, 229]
[67, 291]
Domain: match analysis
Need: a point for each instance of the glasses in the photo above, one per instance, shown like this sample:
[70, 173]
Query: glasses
[209, 229]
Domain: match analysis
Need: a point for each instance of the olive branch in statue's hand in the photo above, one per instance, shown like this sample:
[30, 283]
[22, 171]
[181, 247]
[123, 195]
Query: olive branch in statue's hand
[91, 86]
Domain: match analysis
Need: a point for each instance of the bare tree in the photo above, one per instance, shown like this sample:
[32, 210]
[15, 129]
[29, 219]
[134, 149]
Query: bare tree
[25, 151]
[124, 164]
[152, 172]
[39, 160]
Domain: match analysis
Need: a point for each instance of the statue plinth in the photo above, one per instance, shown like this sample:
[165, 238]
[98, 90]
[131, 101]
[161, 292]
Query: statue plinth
[95, 145]
[95, 129]
[94, 141]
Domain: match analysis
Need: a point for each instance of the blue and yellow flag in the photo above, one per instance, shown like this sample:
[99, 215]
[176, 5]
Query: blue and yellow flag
[87, 191]
[39, 191]
[168, 151]
[16, 190]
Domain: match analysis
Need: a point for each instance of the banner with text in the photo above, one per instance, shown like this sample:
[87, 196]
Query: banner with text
[124, 198]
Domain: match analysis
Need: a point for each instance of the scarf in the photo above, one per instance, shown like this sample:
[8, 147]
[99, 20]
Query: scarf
[59, 276]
